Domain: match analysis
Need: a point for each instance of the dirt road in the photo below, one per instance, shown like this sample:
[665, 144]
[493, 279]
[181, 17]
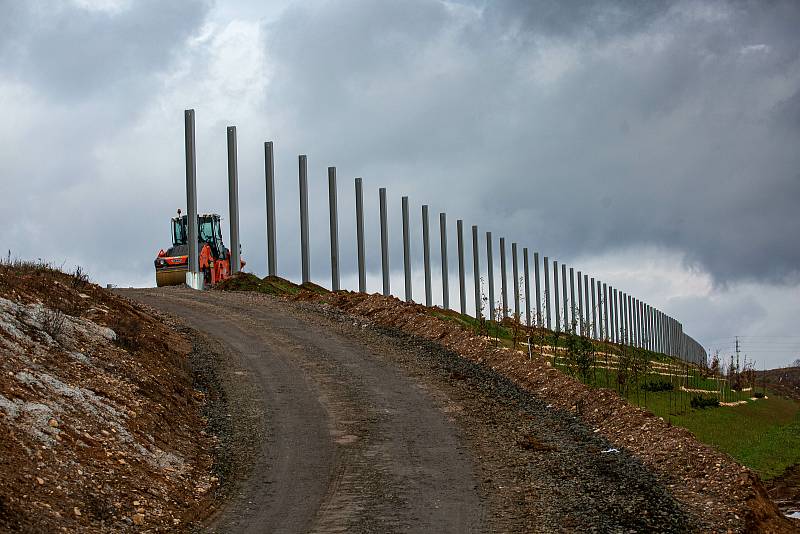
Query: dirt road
[368, 431]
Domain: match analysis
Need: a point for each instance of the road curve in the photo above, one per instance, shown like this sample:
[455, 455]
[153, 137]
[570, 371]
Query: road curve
[353, 444]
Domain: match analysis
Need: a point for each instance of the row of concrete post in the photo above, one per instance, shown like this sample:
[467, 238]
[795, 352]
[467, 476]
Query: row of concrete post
[589, 308]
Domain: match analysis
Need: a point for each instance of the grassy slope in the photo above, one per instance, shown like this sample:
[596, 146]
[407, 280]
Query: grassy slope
[763, 435]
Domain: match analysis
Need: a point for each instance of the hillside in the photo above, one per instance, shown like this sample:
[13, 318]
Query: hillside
[100, 427]
[784, 381]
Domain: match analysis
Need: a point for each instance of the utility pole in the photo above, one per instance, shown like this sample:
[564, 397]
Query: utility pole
[737, 354]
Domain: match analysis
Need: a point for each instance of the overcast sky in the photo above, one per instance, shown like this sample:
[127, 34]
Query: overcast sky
[655, 146]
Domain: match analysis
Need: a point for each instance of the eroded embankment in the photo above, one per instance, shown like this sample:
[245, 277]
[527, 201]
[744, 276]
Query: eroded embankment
[711, 484]
[100, 428]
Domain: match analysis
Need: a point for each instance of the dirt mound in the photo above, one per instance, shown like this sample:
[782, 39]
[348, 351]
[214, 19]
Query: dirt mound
[99, 424]
[711, 484]
[271, 285]
[784, 381]
[785, 489]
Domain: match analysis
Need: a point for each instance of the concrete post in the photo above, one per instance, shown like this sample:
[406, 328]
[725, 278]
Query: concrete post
[605, 311]
[573, 325]
[546, 265]
[304, 253]
[515, 273]
[384, 242]
[632, 306]
[443, 241]
[587, 312]
[595, 291]
[406, 250]
[362, 268]
[581, 320]
[626, 303]
[334, 227]
[556, 296]
[476, 271]
[623, 333]
[490, 273]
[233, 201]
[538, 291]
[462, 285]
[623, 306]
[426, 255]
[527, 286]
[269, 171]
[612, 296]
[193, 278]
[645, 334]
[620, 318]
[564, 295]
[503, 277]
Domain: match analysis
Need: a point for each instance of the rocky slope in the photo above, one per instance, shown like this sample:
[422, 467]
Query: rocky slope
[100, 427]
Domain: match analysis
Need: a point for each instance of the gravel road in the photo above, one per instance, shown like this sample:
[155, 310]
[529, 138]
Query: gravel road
[367, 430]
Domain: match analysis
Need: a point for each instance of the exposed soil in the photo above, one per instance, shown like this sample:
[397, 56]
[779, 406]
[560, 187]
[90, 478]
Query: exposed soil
[785, 490]
[784, 381]
[100, 427]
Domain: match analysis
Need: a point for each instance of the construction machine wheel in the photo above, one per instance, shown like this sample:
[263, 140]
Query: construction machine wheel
[172, 277]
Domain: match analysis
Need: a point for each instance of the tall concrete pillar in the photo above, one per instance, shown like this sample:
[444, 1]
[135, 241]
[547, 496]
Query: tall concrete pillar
[538, 291]
[490, 274]
[304, 252]
[586, 311]
[546, 265]
[193, 278]
[606, 329]
[594, 290]
[476, 271]
[334, 228]
[233, 201]
[362, 267]
[624, 333]
[426, 253]
[581, 320]
[564, 295]
[503, 277]
[406, 250]
[462, 277]
[527, 286]
[573, 319]
[384, 242]
[443, 241]
[615, 315]
[269, 171]
[556, 296]
[515, 274]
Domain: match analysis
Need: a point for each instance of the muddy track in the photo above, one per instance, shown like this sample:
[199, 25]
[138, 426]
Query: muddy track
[372, 431]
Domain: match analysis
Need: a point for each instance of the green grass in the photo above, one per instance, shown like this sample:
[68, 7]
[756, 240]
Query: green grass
[763, 435]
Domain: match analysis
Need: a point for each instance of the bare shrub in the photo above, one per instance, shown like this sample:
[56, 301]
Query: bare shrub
[79, 278]
[52, 320]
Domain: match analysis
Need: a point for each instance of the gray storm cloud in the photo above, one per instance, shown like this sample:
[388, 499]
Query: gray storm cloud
[576, 128]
